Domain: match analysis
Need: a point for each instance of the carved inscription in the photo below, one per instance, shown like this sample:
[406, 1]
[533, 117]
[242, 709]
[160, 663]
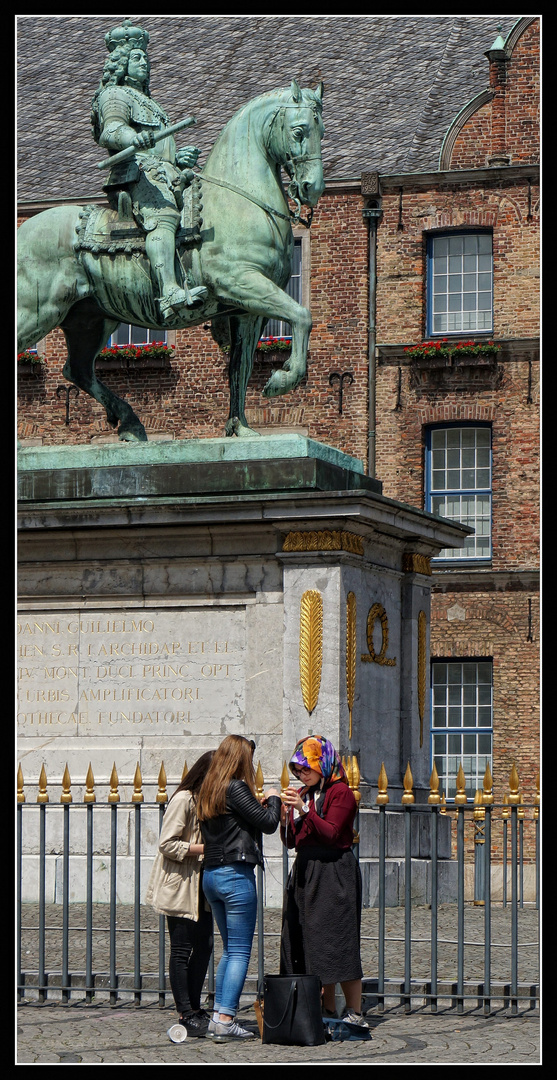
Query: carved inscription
[150, 672]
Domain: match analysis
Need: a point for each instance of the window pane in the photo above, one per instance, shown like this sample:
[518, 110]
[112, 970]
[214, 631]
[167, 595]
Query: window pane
[462, 471]
[467, 747]
[468, 259]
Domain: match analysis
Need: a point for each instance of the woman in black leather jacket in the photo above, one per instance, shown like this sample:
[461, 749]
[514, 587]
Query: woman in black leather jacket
[232, 819]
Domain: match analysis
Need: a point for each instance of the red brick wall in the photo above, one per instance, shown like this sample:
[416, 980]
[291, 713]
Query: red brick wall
[511, 210]
[510, 122]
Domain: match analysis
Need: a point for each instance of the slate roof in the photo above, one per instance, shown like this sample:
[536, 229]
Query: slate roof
[392, 84]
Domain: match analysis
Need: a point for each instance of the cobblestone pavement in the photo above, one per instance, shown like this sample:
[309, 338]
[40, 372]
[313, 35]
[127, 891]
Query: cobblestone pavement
[104, 1033]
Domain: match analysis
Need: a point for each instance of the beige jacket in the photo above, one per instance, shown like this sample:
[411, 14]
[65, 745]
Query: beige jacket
[173, 887]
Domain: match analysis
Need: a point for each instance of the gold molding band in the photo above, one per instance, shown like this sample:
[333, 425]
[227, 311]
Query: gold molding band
[415, 563]
[325, 540]
[377, 611]
[311, 646]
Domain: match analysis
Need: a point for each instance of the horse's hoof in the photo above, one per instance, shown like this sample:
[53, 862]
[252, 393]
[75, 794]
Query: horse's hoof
[242, 431]
[279, 383]
[136, 433]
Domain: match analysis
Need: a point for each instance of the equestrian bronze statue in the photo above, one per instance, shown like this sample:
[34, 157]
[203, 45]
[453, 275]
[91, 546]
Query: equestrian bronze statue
[176, 247]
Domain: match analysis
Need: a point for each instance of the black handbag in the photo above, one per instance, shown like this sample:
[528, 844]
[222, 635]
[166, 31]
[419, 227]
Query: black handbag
[292, 1010]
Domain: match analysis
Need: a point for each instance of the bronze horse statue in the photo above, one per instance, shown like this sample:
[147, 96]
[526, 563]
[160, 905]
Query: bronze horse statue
[72, 275]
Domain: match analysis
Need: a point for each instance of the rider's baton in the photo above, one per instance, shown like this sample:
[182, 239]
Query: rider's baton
[130, 151]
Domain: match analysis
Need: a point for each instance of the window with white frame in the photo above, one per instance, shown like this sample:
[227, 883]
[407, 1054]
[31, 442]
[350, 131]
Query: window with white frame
[460, 283]
[458, 484]
[461, 722]
[127, 334]
[278, 327]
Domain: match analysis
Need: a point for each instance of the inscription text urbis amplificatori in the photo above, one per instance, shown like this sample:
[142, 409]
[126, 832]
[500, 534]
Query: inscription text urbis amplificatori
[108, 672]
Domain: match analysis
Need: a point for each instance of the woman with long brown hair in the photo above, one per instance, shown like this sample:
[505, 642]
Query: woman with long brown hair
[232, 819]
[174, 890]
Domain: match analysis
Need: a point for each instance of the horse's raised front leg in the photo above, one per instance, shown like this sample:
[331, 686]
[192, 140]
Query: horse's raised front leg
[257, 295]
[245, 331]
[87, 331]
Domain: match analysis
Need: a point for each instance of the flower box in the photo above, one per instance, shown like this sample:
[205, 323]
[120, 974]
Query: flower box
[143, 357]
[30, 363]
[445, 352]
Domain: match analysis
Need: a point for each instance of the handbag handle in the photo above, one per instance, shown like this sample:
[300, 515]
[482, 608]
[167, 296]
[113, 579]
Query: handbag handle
[288, 1006]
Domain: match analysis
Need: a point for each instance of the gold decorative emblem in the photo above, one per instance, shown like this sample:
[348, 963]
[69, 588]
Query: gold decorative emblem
[377, 611]
[422, 629]
[311, 646]
[414, 562]
[324, 540]
[350, 655]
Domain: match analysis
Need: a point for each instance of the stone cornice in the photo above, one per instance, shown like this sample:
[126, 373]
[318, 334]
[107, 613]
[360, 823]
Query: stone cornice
[350, 184]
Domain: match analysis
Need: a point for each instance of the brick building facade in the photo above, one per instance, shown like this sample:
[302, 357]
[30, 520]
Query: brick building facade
[368, 262]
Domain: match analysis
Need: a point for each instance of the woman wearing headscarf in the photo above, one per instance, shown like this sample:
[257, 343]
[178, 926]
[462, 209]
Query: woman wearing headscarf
[323, 900]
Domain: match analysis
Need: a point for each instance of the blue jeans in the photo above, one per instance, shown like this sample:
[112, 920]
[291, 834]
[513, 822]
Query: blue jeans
[232, 894]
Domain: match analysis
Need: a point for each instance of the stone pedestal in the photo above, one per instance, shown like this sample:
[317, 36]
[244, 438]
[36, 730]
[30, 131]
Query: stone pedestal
[167, 591]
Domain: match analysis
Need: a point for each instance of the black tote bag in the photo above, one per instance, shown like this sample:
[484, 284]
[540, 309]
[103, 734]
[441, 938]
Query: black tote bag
[292, 1010]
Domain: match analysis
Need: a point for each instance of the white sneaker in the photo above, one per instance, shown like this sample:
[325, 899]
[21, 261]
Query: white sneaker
[225, 1032]
[355, 1018]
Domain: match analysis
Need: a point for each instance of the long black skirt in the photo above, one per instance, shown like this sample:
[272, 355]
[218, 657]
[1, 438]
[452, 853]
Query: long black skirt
[321, 916]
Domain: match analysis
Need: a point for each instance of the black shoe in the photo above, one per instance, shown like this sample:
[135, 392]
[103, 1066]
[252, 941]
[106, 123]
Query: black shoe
[196, 1024]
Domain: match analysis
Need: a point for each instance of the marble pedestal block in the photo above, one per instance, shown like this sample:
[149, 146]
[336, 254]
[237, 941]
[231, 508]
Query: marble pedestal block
[171, 594]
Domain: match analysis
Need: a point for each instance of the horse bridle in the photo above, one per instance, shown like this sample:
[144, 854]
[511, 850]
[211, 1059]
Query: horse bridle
[293, 216]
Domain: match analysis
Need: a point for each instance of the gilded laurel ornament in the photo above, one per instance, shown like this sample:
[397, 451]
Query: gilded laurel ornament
[350, 656]
[311, 646]
[377, 612]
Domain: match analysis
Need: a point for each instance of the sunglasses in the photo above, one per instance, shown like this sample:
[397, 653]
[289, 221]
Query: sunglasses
[297, 769]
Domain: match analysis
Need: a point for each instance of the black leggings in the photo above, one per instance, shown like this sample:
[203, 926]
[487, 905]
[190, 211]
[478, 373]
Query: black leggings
[191, 944]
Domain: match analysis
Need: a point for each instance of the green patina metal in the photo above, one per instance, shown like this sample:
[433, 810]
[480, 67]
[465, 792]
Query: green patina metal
[176, 248]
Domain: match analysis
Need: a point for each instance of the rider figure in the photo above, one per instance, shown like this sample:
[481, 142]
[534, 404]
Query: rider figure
[124, 114]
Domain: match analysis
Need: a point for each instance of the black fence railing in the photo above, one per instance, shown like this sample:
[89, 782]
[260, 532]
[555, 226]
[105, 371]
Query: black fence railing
[78, 940]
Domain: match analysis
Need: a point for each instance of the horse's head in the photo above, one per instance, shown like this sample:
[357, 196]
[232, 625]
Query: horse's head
[295, 142]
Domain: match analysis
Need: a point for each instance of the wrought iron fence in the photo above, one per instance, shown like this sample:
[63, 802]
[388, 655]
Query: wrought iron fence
[118, 950]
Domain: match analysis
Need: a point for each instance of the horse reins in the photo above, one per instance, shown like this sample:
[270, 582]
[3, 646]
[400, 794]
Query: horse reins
[295, 217]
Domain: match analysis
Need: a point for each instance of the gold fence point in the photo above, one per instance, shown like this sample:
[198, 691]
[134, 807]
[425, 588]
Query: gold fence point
[113, 795]
[506, 811]
[259, 781]
[408, 782]
[443, 809]
[521, 811]
[185, 771]
[89, 786]
[42, 797]
[137, 796]
[487, 793]
[537, 799]
[66, 796]
[479, 812]
[460, 797]
[382, 784]
[355, 778]
[162, 796]
[20, 791]
[514, 797]
[434, 796]
[284, 778]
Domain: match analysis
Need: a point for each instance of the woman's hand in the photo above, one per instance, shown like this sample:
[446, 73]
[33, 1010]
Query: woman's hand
[291, 797]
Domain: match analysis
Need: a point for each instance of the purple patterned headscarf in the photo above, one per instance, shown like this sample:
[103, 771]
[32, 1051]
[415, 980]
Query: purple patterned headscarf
[316, 752]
